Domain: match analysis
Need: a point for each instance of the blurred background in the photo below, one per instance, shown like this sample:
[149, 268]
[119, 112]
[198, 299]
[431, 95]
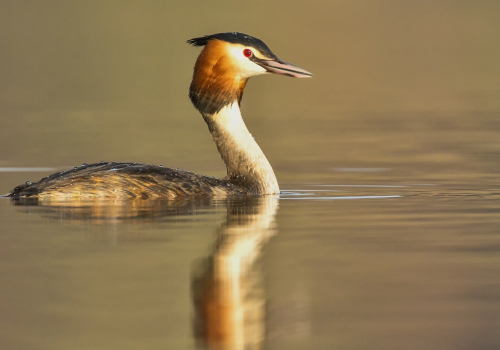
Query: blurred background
[401, 121]
[411, 86]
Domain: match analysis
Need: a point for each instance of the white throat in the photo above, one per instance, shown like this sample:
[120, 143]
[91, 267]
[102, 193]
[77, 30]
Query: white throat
[245, 162]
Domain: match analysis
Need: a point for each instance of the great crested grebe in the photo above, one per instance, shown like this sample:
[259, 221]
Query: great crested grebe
[220, 74]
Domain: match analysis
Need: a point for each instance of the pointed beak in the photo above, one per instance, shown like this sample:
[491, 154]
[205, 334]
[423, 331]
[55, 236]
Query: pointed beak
[278, 66]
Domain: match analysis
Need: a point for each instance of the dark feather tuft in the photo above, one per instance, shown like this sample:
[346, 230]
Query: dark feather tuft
[235, 38]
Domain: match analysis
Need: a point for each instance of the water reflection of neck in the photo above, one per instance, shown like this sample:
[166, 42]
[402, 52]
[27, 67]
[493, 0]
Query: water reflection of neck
[229, 300]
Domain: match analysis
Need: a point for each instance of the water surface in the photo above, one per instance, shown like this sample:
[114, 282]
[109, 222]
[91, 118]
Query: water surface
[385, 235]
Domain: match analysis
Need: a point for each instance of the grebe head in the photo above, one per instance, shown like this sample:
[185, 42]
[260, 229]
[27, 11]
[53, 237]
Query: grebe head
[224, 66]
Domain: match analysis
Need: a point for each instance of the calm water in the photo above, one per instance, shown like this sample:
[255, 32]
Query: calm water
[387, 231]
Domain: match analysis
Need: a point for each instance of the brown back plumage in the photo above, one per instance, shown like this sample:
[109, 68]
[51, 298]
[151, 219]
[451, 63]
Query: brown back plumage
[125, 180]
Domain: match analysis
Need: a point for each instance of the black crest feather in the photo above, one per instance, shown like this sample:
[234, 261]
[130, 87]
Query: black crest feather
[235, 38]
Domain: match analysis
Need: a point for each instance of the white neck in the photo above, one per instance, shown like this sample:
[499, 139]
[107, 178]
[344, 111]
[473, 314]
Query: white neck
[245, 162]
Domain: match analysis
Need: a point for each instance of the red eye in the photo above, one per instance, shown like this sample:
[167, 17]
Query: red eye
[247, 53]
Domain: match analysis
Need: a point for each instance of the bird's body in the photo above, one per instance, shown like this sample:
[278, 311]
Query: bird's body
[125, 181]
[220, 75]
